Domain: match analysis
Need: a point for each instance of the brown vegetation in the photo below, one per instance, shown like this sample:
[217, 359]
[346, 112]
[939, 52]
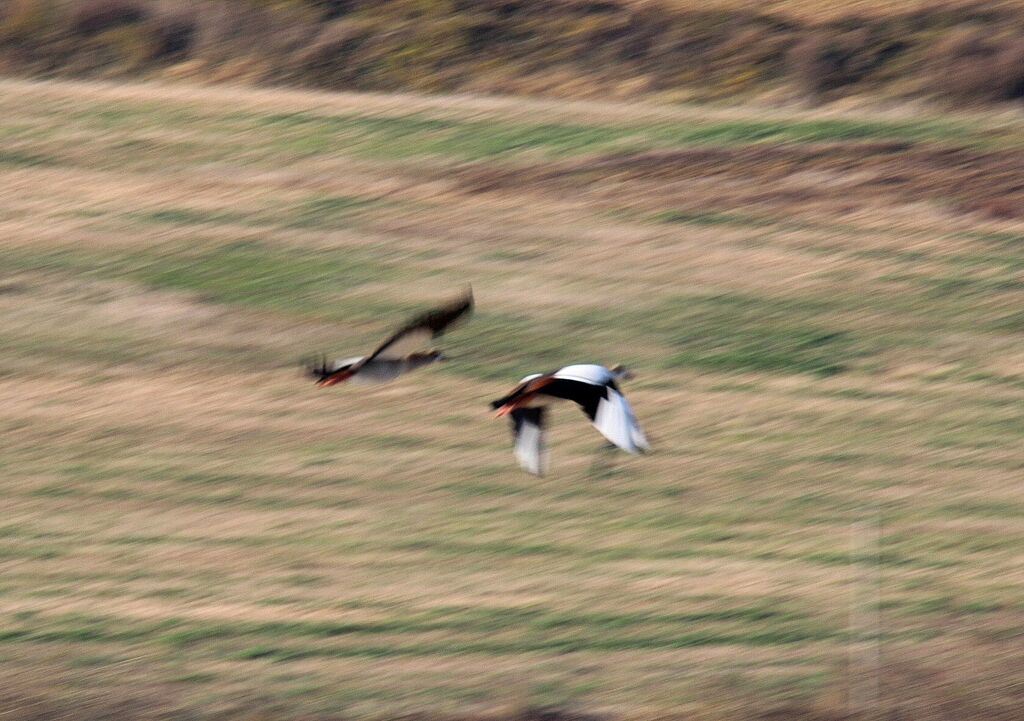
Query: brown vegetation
[831, 59]
[963, 52]
[972, 65]
[833, 175]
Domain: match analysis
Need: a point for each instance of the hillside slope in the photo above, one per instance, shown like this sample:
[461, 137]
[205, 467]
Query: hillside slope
[823, 311]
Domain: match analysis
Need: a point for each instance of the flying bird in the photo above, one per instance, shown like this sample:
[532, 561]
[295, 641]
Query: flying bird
[407, 349]
[593, 387]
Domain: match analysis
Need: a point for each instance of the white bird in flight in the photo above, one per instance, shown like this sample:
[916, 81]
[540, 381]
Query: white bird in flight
[594, 387]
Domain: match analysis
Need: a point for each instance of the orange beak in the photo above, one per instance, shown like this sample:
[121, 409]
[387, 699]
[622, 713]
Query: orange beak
[509, 407]
[331, 380]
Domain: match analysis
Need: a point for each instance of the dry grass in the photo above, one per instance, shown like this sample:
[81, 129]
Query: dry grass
[192, 530]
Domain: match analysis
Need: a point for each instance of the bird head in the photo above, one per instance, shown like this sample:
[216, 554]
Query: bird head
[621, 372]
[327, 374]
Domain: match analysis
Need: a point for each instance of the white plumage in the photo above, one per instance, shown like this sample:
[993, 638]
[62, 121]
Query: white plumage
[593, 387]
[616, 422]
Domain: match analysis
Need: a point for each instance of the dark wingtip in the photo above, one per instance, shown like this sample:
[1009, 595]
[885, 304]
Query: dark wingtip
[454, 313]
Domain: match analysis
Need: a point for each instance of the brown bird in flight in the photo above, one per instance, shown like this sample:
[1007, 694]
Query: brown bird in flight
[401, 353]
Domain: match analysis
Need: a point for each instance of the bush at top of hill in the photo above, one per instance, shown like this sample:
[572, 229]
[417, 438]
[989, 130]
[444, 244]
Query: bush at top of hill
[959, 52]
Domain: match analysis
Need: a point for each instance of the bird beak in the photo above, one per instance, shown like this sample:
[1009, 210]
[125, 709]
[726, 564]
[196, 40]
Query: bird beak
[504, 410]
[334, 379]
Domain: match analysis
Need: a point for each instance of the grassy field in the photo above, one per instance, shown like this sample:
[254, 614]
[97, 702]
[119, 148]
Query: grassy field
[824, 312]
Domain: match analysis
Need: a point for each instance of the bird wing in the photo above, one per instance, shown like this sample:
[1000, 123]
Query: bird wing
[340, 363]
[586, 373]
[527, 386]
[616, 422]
[528, 431]
[418, 332]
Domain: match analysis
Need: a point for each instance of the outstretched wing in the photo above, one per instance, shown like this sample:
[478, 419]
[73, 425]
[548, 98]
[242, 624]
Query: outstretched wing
[594, 388]
[418, 332]
[528, 431]
[527, 387]
[615, 420]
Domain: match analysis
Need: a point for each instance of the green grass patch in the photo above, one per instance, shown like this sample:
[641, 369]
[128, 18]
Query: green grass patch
[253, 273]
[1012, 322]
[419, 135]
[18, 159]
[331, 211]
[993, 237]
[411, 135]
[746, 131]
[983, 509]
[467, 629]
[502, 347]
[711, 218]
[188, 216]
[740, 333]
[246, 272]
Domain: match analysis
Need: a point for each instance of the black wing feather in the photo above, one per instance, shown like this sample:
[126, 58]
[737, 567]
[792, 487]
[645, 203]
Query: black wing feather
[526, 415]
[436, 321]
[587, 395]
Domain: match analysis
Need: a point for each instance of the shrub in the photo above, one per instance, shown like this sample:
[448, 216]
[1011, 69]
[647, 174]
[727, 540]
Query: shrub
[331, 9]
[92, 17]
[971, 66]
[964, 50]
[754, 54]
[824, 61]
[173, 27]
[328, 61]
[22, 20]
